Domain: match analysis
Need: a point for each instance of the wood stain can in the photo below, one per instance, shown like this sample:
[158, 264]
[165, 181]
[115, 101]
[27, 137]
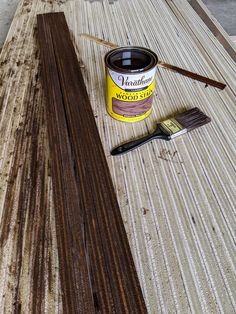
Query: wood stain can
[130, 77]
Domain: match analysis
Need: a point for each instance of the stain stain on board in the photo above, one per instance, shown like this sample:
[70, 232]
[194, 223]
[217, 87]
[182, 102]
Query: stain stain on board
[26, 214]
[169, 156]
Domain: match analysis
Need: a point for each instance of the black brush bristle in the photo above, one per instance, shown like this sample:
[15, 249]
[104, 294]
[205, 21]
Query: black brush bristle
[192, 119]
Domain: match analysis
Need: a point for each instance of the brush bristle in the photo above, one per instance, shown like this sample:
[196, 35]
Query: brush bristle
[192, 119]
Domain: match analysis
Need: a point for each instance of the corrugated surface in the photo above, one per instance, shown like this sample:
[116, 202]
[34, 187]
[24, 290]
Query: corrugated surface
[177, 198]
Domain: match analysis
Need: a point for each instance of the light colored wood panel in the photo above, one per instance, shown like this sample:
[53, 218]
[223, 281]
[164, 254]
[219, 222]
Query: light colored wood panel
[177, 199]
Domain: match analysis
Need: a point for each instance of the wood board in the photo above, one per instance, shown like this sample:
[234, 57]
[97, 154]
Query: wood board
[96, 267]
[177, 199]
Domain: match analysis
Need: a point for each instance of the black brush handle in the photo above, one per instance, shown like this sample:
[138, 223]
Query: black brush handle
[126, 147]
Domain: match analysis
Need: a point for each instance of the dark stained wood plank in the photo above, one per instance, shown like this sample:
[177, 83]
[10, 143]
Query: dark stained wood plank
[114, 280]
[75, 281]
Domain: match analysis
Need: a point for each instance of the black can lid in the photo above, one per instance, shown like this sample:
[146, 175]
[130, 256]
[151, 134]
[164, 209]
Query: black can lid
[131, 59]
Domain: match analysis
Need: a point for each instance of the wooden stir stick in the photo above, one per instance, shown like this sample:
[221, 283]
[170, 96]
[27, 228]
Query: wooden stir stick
[164, 65]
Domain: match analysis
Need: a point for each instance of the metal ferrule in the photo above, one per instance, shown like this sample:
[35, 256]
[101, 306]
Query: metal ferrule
[173, 128]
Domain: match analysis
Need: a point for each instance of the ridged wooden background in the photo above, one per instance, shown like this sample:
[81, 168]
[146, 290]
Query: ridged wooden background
[177, 198]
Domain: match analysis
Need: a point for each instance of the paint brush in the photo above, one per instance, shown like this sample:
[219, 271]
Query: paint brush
[167, 130]
[164, 65]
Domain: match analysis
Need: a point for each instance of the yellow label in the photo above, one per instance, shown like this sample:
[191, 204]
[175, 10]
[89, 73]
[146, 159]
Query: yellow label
[172, 126]
[128, 105]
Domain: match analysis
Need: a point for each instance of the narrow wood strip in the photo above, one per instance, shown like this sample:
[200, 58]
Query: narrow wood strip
[99, 41]
[164, 65]
[214, 27]
[114, 280]
[75, 283]
[192, 75]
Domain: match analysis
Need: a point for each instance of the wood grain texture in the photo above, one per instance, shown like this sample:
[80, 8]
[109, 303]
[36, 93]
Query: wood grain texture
[177, 199]
[164, 65]
[28, 250]
[192, 75]
[75, 281]
[214, 26]
[93, 211]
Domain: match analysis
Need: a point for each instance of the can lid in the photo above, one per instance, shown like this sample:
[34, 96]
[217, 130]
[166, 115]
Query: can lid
[131, 59]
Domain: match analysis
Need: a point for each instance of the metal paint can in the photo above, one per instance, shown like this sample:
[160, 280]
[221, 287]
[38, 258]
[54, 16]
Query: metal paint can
[130, 77]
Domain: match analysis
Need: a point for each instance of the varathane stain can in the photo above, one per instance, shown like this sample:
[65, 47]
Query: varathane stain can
[130, 75]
